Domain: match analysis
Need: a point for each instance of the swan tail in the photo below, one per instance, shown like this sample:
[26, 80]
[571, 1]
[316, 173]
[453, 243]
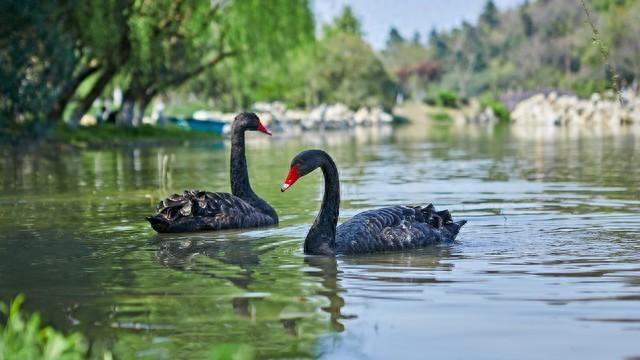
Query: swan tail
[437, 219]
[442, 219]
[454, 227]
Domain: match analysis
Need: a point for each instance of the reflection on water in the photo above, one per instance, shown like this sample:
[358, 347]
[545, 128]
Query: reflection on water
[547, 266]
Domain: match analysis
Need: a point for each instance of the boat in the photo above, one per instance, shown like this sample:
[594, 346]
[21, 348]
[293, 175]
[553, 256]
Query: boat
[210, 125]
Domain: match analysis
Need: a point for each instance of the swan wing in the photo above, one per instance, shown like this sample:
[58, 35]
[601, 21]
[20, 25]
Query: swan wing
[395, 228]
[196, 210]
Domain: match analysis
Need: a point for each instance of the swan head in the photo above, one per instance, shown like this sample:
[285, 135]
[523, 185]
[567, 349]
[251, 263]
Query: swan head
[302, 164]
[249, 121]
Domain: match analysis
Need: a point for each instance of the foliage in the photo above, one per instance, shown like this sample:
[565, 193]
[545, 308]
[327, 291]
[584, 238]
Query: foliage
[410, 64]
[347, 70]
[489, 14]
[37, 54]
[267, 37]
[441, 116]
[232, 352]
[339, 67]
[58, 55]
[498, 108]
[540, 44]
[345, 23]
[24, 337]
[448, 99]
[104, 134]
[394, 38]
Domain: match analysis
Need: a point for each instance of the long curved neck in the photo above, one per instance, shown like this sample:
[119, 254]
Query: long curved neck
[240, 185]
[321, 238]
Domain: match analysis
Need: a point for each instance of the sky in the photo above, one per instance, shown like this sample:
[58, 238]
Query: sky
[378, 16]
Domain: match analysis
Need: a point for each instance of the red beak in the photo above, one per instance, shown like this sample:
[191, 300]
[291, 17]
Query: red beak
[263, 129]
[292, 177]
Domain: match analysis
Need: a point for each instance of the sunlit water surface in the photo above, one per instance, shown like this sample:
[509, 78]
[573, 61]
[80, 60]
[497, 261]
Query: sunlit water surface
[547, 267]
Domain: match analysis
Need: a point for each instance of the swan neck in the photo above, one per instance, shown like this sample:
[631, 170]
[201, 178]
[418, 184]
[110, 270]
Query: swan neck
[240, 185]
[322, 235]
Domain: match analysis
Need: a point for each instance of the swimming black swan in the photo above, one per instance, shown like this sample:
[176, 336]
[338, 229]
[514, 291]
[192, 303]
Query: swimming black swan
[197, 210]
[390, 228]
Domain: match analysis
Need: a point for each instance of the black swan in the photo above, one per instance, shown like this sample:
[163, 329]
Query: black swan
[390, 228]
[197, 210]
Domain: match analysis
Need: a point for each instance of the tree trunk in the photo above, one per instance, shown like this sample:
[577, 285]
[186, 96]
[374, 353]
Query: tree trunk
[68, 91]
[142, 106]
[93, 94]
[127, 112]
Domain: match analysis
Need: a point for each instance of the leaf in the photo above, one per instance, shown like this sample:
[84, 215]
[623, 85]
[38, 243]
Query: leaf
[232, 352]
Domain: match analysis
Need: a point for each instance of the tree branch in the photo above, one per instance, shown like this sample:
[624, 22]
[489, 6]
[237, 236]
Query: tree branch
[179, 79]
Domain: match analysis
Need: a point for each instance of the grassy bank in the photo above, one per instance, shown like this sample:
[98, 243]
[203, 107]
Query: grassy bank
[112, 135]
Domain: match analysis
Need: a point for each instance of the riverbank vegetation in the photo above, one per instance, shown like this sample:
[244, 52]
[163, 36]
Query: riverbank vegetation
[61, 60]
[23, 337]
[539, 45]
[111, 134]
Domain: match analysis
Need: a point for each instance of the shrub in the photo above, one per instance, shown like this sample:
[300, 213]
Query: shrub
[501, 111]
[442, 116]
[23, 337]
[448, 99]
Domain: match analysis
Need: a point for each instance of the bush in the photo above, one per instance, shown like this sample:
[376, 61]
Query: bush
[448, 99]
[441, 116]
[501, 111]
[23, 337]
[430, 100]
[111, 134]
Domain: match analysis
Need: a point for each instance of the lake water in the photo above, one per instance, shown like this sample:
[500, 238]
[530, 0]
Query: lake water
[547, 267]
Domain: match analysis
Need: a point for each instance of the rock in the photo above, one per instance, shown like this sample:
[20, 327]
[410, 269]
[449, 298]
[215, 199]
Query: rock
[296, 116]
[315, 118]
[361, 117]
[277, 117]
[378, 116]
[486, 117]
[88, 120]
[338, 116]
[597, 112]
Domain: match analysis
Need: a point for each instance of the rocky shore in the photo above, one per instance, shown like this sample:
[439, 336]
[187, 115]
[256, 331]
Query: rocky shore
[277, 117]
[569, 110]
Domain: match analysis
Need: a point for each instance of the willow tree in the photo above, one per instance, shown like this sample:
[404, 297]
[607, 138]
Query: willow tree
[171, 42]
[105, 46]
[267, 36]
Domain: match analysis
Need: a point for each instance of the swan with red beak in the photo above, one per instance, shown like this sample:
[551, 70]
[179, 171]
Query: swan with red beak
[197, 210]
[385, 229]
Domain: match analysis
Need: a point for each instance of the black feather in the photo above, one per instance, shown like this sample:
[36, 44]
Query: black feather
[200, 210]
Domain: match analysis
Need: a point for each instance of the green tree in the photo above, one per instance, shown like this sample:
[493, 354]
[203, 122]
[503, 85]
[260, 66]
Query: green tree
[172, 42]
[394, 38]
[37, 56]
[490, 14]
[416, 39]
[345, 23]
[528, 27]
[261, 70]
[347, 70]
[437, 42]
[105, 42]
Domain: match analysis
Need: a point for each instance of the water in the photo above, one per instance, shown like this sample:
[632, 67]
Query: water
[547, 267]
